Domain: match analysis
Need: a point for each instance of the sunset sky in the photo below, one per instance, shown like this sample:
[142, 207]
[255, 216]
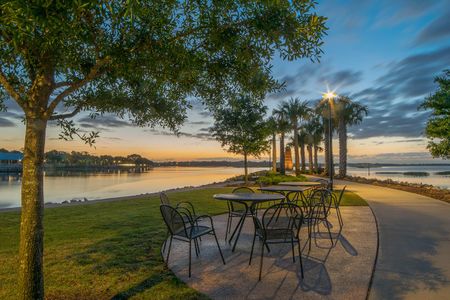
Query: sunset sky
[383, 54]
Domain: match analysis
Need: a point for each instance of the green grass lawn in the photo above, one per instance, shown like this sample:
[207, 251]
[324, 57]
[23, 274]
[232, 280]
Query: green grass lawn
[107, 250]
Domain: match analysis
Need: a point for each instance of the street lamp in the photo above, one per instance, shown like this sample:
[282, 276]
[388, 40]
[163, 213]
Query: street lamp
[330, 96]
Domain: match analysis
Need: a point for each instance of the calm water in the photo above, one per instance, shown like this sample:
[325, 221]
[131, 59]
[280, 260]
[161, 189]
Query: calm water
[433, 179]
[98, 186]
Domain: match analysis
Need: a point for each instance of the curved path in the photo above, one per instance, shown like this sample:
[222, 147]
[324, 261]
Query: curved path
[414, 244]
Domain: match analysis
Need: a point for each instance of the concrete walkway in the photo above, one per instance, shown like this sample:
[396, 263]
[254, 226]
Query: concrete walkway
[414, 250]
[341, 272]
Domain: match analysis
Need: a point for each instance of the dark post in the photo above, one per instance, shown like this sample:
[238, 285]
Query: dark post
[330, 152]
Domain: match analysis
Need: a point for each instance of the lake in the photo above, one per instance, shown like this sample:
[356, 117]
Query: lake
[101, 185]
[384, 173]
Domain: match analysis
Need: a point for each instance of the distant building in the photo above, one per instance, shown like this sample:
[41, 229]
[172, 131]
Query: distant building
[10, 158]
[288, 159]
[10, 162]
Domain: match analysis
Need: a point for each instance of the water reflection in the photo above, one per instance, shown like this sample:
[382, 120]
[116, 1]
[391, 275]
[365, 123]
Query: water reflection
[434, 175]
[66, 185]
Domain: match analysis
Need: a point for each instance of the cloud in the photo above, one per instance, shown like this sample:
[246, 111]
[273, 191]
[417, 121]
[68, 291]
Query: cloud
[12, 115]
[439, 28]
[342, 78]
[396, 94]
[103, 122]
[395, 12]
[6, 123]
[206, 136]
[199, 123]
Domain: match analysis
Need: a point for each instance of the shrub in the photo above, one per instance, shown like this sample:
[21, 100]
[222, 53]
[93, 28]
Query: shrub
[275, 178]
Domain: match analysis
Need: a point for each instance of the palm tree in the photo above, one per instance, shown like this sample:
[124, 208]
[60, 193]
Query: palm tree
[302, 140]
[296, 110]
[348, 113]
[309, 129]
[272, 125]
[317, 138]
[282, 127]
[322, 111]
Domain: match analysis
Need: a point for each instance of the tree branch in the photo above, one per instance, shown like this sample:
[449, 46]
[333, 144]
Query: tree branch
[61, 84]
[10, 89]
[66, 116]
[94, 72]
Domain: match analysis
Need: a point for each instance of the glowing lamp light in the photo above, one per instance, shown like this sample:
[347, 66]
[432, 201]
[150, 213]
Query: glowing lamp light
[329, 95]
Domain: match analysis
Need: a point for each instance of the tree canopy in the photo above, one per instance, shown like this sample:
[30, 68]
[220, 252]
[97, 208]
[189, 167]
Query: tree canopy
[137, 59]
[438, 126]
[143, 59]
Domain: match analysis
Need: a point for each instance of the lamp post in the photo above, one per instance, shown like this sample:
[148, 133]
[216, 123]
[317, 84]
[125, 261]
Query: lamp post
[330, 96]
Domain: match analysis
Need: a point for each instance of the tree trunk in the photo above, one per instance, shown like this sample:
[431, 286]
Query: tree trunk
[342, 148]
[246, 169]
[302, 153]
[316, 163]
[274, 152]
[310, 156]
[31, 278]
[326, 145]
[297, 158]
[282, 155]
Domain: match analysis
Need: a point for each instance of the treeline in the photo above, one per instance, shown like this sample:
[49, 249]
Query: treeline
[216, 163]
[75, 158]
[3, 150]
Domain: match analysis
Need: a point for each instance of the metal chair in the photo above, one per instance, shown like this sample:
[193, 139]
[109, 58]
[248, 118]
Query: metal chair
[236, 209]
[186, 207]
[319, 204]
[186, 231]
[325, 183]
[280, 224]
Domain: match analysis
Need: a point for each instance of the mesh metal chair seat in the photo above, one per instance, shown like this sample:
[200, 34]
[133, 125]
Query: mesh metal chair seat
[280, 223]
[193, 232]
[186, 231]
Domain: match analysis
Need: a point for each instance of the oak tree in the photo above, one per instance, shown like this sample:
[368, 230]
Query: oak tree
[140, 60]
[241, 128]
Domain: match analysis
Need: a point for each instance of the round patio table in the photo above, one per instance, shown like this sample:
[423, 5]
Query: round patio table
[298, 191]
[301, 183]
[249, 200]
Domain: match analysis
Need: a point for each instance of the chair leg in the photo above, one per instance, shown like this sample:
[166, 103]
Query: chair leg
[165, 241]
[261, 262]
[190, 254]
[168, 252]
[300, 257]
[227, 230]
[309, 234]
[197, 248]
[329, 233]
[218, 246]
[293, 253]
[267, 247]
[251, 252]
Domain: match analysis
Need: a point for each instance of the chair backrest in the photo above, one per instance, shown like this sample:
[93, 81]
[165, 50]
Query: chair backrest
[321, 199]
[292, 197]
[173, 219]
[234, 206]
[164, 199]
[242, 190]
[283, 217]
[338, 200]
